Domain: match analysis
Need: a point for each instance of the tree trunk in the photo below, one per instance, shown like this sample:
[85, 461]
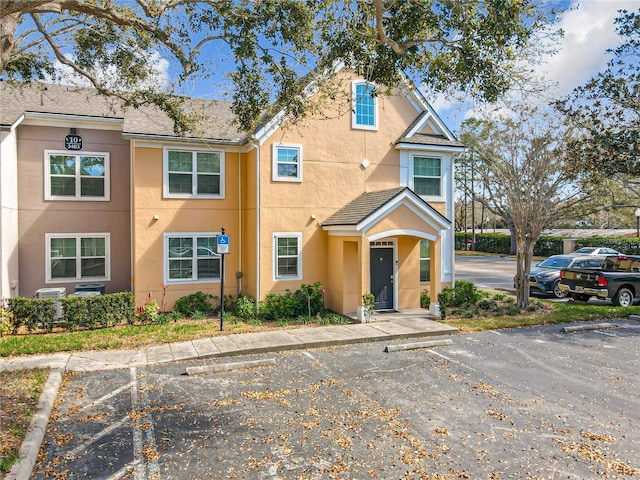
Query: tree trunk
[7, 38]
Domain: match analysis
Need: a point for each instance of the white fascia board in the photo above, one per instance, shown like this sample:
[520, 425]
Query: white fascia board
[150, 140]
[433, 115]
[429, 148]
[342, 231]
[399, 232]
[72, 121]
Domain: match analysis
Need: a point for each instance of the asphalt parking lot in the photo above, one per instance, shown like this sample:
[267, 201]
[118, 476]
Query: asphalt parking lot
[531, 403]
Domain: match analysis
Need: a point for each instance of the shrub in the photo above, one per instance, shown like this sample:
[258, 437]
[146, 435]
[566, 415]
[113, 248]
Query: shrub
[148, 313]
[189, 304]
[245, 307]
[464, 294]
[425, 299]
[6, 322]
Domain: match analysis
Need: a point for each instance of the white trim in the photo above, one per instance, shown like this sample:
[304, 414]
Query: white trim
[165, 258]
[276, 236]
[275, 147]
[194, 174]
[354, 101]
[429, 148]
[77, 237]
[402, 231]
[394, 247]
[429, 198]
[78, 196]
[63, 120]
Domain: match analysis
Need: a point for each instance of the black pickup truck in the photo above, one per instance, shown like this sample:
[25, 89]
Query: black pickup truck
[619, 280]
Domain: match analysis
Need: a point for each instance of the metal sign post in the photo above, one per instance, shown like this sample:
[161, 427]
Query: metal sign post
[222, 242]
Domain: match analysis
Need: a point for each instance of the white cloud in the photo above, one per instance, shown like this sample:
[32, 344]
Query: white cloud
[160, 79]
[589, 30]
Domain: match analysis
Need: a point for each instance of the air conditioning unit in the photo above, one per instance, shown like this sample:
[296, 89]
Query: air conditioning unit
[55, 293]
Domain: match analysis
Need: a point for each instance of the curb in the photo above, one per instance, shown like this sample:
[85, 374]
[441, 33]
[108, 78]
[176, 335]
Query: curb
[35, 434]
[582, 328]
[223, 367]
[634, 317]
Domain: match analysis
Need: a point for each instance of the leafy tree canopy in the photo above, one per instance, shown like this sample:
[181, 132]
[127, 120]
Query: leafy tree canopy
[607, 109]
[269, 48]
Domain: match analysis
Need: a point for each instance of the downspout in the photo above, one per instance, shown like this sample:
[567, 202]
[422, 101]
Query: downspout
[239, 274]
[258, 296]
[131, 216]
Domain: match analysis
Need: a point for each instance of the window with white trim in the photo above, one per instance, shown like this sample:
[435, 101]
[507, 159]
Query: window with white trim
[191, 258]
[425, 261]
[427, 176]
[76, 176]
[287, 163]
[77, 256]
[365, 106]
[287, 256]
[193, 173]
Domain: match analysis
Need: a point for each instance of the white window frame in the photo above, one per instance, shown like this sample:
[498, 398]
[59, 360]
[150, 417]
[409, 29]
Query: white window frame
[194, 259]
[78, 196]
[354, 116]
[412, 175]
[77, 237]
[274, 165]
[276, 236]
[194, 174]
[425, 282]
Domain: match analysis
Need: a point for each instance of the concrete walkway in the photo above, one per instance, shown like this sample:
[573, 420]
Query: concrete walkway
[385, 327]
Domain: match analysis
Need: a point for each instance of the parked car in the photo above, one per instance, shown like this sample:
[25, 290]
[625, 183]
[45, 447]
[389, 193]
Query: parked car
[545, 276]
[596, 251]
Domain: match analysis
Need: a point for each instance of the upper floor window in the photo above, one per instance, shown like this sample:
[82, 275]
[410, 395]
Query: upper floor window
[191, 258]
[79, 256]
[365, 106]
[425, 261]
[287, 256]
[193, 174]
[76, 176]
[287, 163]
[427, 176]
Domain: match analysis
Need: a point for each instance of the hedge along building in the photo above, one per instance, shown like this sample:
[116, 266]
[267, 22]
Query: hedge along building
[358, 201]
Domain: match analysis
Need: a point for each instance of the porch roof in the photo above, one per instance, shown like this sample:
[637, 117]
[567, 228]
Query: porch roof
[371, 205]
[429, 139]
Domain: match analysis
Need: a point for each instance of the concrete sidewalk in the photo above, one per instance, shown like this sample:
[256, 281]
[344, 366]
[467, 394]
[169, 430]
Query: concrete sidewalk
[386, 327]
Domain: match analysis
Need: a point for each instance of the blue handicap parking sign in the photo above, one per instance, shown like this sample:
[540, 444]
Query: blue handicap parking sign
[223, 243]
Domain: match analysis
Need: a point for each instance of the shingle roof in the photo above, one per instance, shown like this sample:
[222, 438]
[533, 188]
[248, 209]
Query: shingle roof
[361, 207]
[17, 99]
[429, 139]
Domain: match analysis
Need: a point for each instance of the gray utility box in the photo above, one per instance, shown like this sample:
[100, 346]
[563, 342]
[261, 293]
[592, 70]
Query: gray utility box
[56, 293]
[90, 287]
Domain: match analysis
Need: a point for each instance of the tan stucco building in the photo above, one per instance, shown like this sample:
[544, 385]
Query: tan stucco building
[360, 202]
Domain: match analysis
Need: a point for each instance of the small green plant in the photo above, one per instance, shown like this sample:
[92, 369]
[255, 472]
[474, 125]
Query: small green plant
[198, 315]
[283, 322]
[148, 313]
[304, 320]
[245, 307]
[368, 303]
[425, 299]
[6, 322]
[194, 302]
